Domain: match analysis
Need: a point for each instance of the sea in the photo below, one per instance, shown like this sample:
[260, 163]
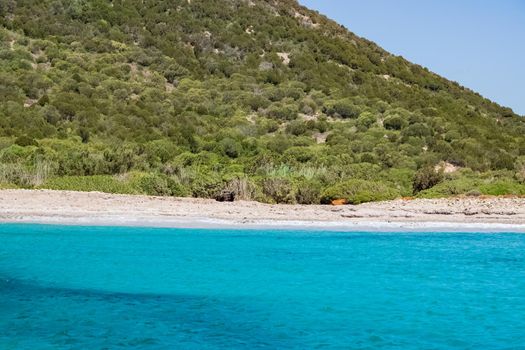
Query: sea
[74, 287]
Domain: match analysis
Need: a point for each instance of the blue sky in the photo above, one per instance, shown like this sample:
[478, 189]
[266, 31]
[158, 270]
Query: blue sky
[478, 43]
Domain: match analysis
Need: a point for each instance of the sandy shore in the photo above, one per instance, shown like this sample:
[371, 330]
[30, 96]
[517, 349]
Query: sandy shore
[458, 214]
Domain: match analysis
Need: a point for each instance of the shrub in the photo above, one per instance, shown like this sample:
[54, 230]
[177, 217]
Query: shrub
[394, 123]
[279, 143]
[84, 135]
[25, 141]
[366, 120]
[474, 193]
[501, 160]
[8, 186]
[230, 147]
[156, 185]
[503, 187]
[278, 190]
[519, 166]
[359, 191]
[283, 112]
[449, 188]
[206, 185]
[298, 154]
[426, 178]
[297, 127]
[15, 153]
[417, 130]
[343, 109]
[243, 188]
[308, 192]
[15, 173]
[102, 183]
[255, 102]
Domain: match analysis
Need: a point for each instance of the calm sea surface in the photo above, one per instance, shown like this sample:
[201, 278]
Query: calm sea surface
[142, 288]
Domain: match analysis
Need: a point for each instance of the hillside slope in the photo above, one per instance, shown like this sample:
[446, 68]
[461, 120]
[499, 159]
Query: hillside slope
[263, 97]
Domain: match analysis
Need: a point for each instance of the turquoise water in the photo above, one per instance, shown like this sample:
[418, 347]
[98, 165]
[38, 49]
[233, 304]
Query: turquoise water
[143, 288]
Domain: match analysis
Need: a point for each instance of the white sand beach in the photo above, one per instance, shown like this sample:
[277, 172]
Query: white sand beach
[496, 214]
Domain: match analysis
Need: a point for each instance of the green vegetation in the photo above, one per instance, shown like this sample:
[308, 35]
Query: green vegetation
[426, 178]
[471, 184]
[265, 98]
[359, 191]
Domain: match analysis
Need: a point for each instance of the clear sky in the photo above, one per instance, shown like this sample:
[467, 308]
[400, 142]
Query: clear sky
[478, 43]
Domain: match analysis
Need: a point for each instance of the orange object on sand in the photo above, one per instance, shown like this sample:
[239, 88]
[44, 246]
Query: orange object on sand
[339, 202]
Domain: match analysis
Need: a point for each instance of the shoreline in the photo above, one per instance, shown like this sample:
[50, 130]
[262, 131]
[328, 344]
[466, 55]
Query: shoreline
[204, 223]
[420, 215]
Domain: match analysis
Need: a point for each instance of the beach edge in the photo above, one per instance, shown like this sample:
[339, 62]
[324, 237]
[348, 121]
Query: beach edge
[101, 209]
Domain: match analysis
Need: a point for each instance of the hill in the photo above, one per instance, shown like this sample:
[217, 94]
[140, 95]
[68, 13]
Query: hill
[263, 97]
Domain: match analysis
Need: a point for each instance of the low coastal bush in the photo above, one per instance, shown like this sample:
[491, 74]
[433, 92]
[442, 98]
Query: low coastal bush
[131, 183]
[7, 186]
[474, 186]
[161, 185]
[278, 190]
[308, 192]
[20, 175]
[426, 178]
[102, 183]
[450, 188]
[506, 187]
[359, 191]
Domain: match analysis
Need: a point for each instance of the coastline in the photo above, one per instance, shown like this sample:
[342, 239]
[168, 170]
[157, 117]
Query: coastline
[496, 214]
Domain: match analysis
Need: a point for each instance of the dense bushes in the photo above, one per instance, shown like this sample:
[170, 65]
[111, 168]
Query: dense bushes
[359, 191]
[474, 186]
[102, 183]
[132, 183]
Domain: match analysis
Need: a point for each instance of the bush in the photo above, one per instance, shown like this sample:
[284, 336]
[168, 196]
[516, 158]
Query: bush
[417, 130]
[243, 188]
[394, 123]
[308, 192]
[102, 183]
[449, 188]
[359, 191]
[22, 175]
[426, 178]
[343, 109]
[283, 112]
[503, 187]
[161, 185]
[474, 193]
[278, 190]
[474, 187]
[297, 128]
[298, 154]
[206, 185]
[519, 166]
[25, 141]
[229, 147]
[366, 120]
